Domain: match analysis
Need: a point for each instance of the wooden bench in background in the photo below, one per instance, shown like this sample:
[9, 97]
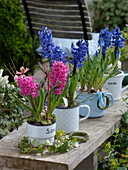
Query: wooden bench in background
[67, 19]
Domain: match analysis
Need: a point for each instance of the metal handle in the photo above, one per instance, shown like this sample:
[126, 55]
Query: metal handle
[112, 99]
[124, 88]
[88, 113]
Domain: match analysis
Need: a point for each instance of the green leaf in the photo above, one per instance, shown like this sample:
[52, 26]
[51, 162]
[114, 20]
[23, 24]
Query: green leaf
[108, 145]
[26, 106]
[72, 88]
[60, 132]
[41, 100]
[117, 130]
[121, 168]
[67, 87]
[29, 98]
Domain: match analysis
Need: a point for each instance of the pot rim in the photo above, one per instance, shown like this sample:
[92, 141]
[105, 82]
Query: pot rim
[120, 73]
[41, 125]
[68, 107]
[104, 89]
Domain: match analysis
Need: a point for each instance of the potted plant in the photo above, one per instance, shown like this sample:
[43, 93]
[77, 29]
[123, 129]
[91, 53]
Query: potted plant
[67, 112]
[41, 101]
[114, 84]
[93, 75]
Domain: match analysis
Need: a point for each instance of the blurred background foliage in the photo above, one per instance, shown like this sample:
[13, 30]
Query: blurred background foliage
[15, 41]
[110, 14]
[12, 113]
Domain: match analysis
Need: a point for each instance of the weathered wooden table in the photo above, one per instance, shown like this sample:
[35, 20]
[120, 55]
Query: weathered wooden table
[82, 158]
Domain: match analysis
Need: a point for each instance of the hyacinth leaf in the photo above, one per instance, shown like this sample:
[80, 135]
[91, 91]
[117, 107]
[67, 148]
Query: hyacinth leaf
[73, 85]
[110, 52]
[37, 100]
[58, 102]
[51, 103]
[55, 102]
[66, 87]
[29, 98]
[41, 100]
[26, 106]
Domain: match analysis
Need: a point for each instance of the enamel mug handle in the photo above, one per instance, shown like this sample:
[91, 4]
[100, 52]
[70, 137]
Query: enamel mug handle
[88, 112]
[125, 74]
[124, 88]
[111, 98]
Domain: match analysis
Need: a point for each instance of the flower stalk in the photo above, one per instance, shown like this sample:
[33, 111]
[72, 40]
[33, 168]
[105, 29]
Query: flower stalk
[48, 107]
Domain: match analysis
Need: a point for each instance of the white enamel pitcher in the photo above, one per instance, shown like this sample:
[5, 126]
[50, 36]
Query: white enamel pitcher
[114, 85]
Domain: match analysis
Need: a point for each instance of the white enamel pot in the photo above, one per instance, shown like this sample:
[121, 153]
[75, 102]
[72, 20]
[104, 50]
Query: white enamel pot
[41, 133]
[68, 119]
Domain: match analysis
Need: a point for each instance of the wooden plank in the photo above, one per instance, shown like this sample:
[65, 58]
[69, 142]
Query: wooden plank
[53, 2]
[66, 34]
[59, 22]
[60, 27]
[58, 17]
[59, 5]
[72, 23]
[56, 11]
[54, 6]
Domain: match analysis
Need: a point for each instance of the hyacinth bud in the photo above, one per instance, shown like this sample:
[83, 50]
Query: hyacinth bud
[22, 69]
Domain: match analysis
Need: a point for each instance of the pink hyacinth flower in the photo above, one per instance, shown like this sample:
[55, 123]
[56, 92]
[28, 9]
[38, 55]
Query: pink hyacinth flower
[28, 86]
[58, 76]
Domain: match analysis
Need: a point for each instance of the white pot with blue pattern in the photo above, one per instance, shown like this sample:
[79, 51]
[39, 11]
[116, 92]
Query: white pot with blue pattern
[68, 119]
